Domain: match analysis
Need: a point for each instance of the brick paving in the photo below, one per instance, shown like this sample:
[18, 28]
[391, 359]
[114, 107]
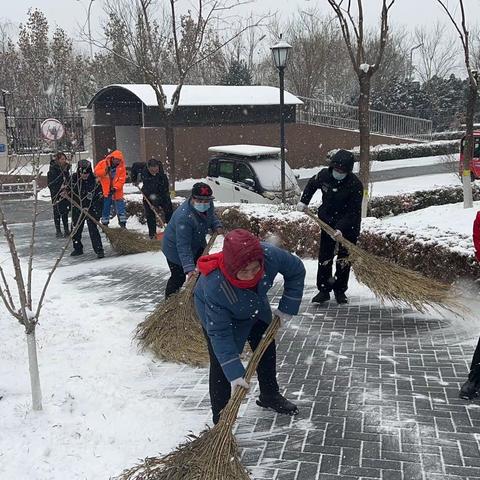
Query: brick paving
[376, 386]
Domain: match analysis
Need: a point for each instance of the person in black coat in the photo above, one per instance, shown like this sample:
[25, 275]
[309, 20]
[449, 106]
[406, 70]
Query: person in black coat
[155, 187]
[341, 208]
[87, 193]
[58, 178]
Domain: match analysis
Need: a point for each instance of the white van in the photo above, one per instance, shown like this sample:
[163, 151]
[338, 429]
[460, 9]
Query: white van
[250, 174]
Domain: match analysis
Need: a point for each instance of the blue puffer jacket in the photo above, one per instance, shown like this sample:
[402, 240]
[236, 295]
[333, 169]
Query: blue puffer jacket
[228, 313]
[185, 234]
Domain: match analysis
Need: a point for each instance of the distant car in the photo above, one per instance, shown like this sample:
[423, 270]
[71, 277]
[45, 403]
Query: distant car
[475, 165]
[249, 174]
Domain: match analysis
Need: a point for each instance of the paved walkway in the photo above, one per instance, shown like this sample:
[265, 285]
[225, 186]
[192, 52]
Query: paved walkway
[376, 387]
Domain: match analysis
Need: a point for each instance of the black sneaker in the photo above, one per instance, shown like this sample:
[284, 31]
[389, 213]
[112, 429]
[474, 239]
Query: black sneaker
[100, 254]
[76, 253]
[278, 403]
[321, 297]
[470, 390]
[341, 298]
[59, 234]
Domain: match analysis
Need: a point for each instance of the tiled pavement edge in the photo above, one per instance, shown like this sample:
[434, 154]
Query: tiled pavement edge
[376, 386]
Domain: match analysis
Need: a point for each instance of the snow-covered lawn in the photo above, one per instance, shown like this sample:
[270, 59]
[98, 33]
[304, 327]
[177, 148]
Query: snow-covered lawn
[104, 402]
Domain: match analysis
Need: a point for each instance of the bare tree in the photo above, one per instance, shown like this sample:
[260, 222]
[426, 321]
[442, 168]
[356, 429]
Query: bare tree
[464, 34]
[22, 306]
[353, 31]
[437, 52]
[150, 36]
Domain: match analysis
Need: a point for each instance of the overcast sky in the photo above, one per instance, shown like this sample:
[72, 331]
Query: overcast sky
[71, 13]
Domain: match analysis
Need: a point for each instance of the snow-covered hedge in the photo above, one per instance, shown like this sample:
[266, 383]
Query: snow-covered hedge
[447, 258]
[409, 202]
[452, 135]
[383, 153]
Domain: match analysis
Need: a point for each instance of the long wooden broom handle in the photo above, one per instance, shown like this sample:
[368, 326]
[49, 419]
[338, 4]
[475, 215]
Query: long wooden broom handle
[86, 212]
[194, 277]
[154, 210]
[330, 231]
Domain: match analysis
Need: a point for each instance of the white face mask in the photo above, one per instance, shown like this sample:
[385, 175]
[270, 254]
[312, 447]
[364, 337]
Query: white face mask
[337, 175]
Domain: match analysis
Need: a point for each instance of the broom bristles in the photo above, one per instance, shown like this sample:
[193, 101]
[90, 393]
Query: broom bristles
[127, 242]
[213, 454]
[389, 281]
[173, 331]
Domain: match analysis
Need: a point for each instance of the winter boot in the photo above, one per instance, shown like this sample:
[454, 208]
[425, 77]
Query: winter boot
[76, 253]
[100, 254]
[66, 233]
[277, 402]
[59, 234]
[321, 297]
[341, 298]
[471, 388]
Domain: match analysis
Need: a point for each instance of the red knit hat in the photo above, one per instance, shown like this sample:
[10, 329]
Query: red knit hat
[240, 248]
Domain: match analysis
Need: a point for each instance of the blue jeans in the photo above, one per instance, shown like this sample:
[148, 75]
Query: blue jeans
[119, 206]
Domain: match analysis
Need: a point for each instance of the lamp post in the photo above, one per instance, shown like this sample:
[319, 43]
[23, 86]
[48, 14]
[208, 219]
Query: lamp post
[89, 28]
[280, 55]
[410, 65]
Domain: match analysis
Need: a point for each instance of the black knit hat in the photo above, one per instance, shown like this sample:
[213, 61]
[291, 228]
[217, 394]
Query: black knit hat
[343, 160]
[84, 166]
[202, 191]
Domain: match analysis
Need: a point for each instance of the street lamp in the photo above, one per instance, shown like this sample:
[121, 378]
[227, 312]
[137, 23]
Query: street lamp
[280, 55]
[410, 65]
[89, 26]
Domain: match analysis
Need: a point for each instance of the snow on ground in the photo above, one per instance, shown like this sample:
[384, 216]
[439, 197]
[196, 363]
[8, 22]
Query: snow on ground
[103, 407]
[449, 226]
[387, 165]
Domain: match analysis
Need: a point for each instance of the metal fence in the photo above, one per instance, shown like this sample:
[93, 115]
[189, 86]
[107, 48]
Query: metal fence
[24, 135]
[332, 114]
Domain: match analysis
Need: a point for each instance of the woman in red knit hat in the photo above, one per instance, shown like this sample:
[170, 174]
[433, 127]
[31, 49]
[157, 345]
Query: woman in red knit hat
[232, 304]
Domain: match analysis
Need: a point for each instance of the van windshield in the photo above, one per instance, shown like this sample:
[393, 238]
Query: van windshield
[268, 172]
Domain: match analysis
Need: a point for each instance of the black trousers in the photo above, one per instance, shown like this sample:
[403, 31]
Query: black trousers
[92, 231]
[151, 220]
[60, 212]
[177, 276]
[475, 366]
[325, 281]
[219, 386]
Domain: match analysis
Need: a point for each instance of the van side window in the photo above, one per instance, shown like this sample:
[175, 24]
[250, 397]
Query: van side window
[243, 172]
[225, 169]
[212, 168]
[476, 152]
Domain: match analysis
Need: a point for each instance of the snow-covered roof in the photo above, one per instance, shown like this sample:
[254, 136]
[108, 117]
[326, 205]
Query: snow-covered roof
[205, 95]
[245, 150]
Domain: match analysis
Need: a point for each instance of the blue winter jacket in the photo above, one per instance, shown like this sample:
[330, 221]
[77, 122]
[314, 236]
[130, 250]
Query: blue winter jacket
[228, 313]
[185, 234]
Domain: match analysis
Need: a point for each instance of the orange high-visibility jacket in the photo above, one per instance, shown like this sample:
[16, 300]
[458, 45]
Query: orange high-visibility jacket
[102, 171]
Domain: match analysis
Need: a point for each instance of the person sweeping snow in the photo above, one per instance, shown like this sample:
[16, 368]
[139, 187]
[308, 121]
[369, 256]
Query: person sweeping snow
[184, 237]
[112, 174]
[232, 305]
[471, 388]
[341, 208]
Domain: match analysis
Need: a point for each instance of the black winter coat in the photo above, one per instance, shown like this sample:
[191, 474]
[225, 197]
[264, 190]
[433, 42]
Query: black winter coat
[87, 193]
[156, 189]
[341, 204]
[57, 179]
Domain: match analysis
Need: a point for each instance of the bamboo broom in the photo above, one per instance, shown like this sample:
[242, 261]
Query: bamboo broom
[124, 242]
[213, 454]
[392, 282]
[172, 331]
[155, 212]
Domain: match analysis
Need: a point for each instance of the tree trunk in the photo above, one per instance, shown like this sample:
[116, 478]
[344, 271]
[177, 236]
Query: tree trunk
[468, 147]
[364, 127]
[34, 374]
[170, 141]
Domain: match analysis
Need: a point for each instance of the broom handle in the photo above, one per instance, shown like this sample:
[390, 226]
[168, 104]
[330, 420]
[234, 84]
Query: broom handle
[330, 231]
[193, 279]
[86, 212]
[154, 210]
[230, 412]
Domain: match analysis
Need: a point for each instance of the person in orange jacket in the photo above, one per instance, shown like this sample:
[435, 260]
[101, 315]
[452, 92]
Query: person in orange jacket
[112, 175]
[471, 388]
